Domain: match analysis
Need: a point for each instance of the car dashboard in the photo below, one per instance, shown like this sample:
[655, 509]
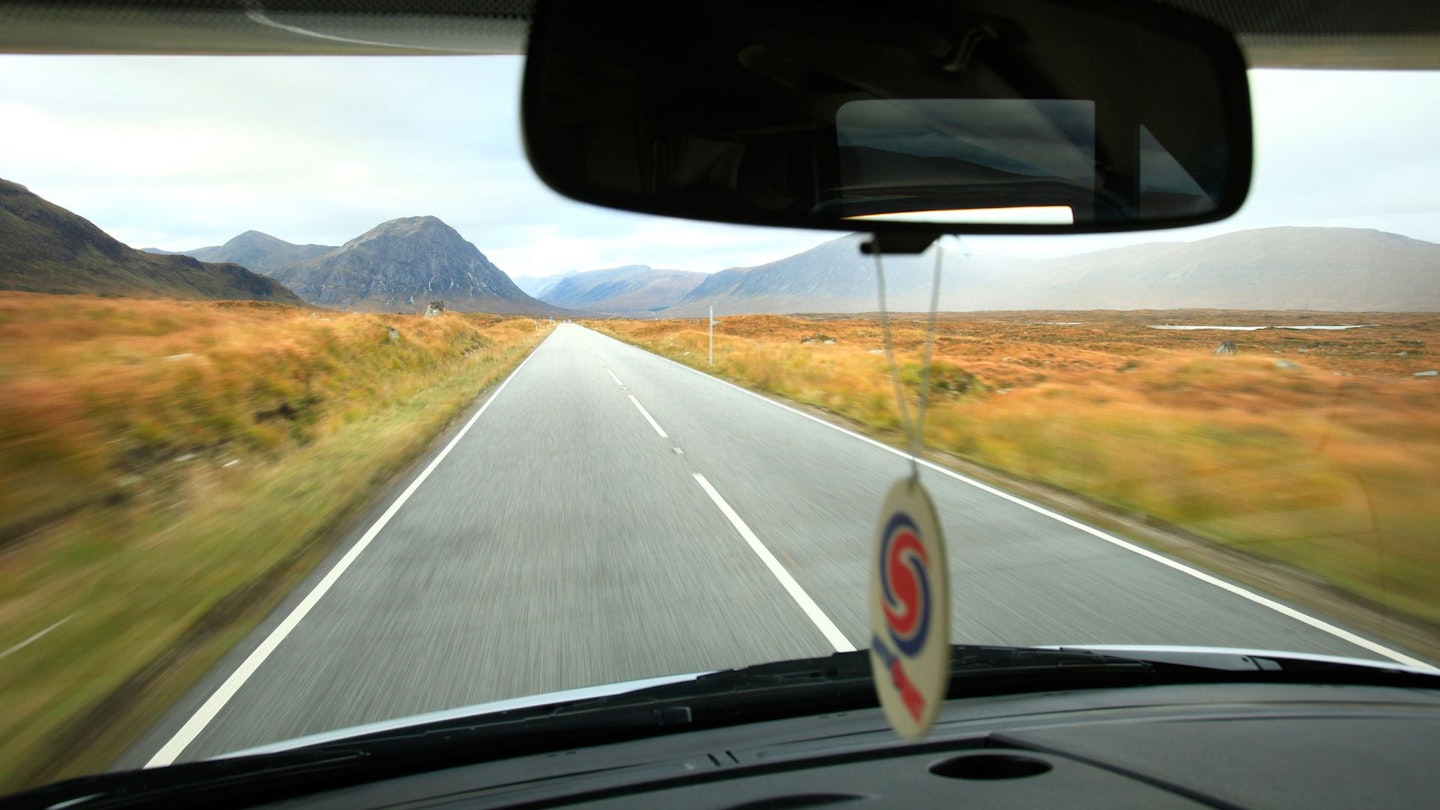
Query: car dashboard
[1231, 745]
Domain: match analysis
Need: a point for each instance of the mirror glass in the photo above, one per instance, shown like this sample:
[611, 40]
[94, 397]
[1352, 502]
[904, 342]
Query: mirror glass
[967, 116]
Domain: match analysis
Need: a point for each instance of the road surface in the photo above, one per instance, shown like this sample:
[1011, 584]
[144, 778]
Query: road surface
[608, 515]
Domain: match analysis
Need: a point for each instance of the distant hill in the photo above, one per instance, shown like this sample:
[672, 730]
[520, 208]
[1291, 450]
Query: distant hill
[537, 286]
[634, 289]
[259, 252]
[837, 277]
[1338, 269]
[45, 248]
[402, 265]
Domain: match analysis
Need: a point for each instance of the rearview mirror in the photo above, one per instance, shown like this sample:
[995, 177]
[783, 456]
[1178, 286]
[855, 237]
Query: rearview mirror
[929, 116]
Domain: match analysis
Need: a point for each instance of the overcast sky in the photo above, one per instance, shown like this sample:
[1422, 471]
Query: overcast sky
[184, 152]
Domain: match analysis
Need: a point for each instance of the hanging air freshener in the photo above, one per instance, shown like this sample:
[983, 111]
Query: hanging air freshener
[909, 576]
[909, 610]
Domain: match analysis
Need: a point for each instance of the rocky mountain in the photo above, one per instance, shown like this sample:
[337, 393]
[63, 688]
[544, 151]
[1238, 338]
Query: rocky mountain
[45, 248]
[259, 252]
[634, 289]
[1338, 269]
[402, 265]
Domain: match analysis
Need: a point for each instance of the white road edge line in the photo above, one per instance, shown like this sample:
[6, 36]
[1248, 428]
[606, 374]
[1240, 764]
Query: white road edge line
[31, 640]
[827, 628]
[648, 417]
[1318, 624]
[171, 751]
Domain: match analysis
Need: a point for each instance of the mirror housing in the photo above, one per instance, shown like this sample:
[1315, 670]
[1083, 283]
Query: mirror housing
[919, 116]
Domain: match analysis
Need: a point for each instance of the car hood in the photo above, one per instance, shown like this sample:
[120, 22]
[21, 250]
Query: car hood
[1214, 658]
[463, 713]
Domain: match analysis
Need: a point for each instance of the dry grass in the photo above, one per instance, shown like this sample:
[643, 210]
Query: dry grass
[157, 458]
[1320, 449]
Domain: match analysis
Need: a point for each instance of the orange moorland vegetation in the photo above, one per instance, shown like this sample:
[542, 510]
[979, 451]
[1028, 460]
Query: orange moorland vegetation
[168, 469]
[1314, 447]
[97, 395]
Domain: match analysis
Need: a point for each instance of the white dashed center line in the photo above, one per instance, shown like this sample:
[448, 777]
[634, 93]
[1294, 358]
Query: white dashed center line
[827, 628]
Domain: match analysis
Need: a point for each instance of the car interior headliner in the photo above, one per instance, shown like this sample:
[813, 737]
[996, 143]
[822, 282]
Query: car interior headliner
[1397, 34]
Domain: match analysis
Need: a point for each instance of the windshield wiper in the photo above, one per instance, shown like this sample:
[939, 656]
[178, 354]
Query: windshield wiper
[762, 692]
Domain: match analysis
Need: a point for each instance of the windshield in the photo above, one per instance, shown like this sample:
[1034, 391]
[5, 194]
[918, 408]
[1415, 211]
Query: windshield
[317, 409]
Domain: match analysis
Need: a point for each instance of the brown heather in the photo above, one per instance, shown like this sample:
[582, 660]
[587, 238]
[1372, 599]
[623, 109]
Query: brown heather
[1320, 449]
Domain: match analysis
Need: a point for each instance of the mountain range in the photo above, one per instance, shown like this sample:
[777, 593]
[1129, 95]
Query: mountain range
[45, 248]
[1337, 269]
[536, 286]
[635, 289]
[400, 265]
[403, 264]
[835, 277]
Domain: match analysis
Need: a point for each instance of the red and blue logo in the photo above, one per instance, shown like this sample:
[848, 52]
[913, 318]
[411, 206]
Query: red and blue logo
[907, 604]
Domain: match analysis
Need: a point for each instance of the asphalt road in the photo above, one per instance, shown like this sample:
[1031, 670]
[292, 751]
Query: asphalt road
[563, 541]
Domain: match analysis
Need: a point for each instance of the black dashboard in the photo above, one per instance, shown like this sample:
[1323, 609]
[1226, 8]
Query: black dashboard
[1227, 745]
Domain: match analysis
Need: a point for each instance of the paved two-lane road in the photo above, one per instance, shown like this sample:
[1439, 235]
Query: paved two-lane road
[609, 515]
